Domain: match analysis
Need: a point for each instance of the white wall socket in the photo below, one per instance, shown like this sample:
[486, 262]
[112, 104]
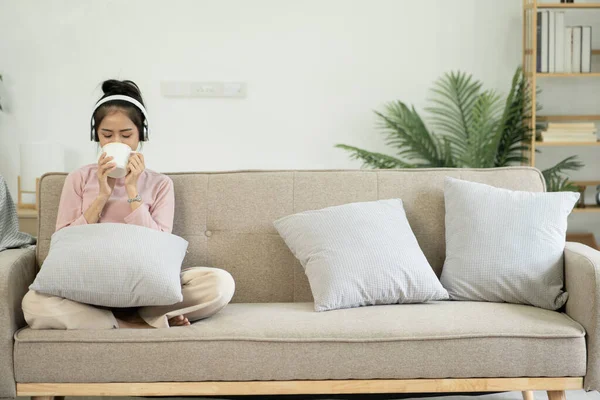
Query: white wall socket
[203, 89]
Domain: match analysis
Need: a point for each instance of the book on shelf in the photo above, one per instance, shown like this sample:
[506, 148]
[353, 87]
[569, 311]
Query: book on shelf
[568, 137]
[586, 49]
[559, 43]
[542, 41]
[565, 133]
[561, 139]
[577, 50]
[561, 48]
[584, 132]
[568, 49]
[590, 126]
[552, 43]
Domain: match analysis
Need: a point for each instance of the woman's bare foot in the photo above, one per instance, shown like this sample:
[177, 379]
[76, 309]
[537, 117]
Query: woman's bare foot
[179, 320]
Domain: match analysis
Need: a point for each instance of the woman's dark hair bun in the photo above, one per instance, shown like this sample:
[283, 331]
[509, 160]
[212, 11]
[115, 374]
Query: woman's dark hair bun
[127, 88]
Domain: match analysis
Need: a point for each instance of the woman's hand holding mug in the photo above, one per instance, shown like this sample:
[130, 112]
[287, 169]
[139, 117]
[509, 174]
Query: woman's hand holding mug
[105, 167]
[135, 167]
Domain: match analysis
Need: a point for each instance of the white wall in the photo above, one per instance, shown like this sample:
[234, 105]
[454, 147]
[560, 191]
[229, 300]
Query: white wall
[315, 70]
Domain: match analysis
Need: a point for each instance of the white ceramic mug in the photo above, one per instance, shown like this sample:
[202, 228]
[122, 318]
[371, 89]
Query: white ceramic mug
[120, 153]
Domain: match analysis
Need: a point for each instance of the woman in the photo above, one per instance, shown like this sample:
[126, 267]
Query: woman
[142, 197]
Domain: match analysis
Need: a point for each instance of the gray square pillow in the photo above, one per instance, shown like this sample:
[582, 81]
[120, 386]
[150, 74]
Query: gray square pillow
[360, 254]
[504, 245]
[113, 265]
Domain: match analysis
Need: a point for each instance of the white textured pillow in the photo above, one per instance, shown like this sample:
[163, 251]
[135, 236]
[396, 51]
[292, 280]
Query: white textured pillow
[360, 254]
[113, 265]
[504, 245]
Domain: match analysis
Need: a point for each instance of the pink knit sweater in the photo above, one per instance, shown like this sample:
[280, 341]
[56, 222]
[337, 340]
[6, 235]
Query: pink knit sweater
[81, 189]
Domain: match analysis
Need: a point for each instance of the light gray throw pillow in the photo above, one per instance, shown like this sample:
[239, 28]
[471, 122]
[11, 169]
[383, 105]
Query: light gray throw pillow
[504, 245]
[360, 254]
[113, 265]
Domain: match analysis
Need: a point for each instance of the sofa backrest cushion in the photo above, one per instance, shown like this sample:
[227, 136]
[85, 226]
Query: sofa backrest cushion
[227, 217]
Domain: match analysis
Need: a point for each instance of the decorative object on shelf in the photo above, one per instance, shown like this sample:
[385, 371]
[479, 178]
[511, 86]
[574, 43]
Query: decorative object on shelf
[37, 159]
[598, 195]
[581, 201]
[475, 128]
[582, 186]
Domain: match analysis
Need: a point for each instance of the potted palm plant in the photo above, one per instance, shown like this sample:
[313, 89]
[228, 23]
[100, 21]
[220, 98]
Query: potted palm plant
[470, 128]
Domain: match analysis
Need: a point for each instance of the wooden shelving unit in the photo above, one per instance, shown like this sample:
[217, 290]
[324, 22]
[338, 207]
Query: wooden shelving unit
[567, 5]
[566, 144]
[568, 75]
[530, 16]
[587, 209]
[563, 118]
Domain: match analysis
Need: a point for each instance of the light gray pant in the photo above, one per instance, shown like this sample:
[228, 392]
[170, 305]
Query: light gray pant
[205, 291]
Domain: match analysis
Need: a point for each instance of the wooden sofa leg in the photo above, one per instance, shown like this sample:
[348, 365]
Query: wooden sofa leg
[528, 395]
[556, 395]
[47, 397]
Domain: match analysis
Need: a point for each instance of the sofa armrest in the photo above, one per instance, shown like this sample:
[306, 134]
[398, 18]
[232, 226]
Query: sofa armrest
[17, 272]
[582, 280]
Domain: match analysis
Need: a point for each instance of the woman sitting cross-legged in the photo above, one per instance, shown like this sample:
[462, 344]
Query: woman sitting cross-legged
[142, 197]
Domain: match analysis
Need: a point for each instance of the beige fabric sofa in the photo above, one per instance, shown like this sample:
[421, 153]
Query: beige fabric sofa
[270, 340]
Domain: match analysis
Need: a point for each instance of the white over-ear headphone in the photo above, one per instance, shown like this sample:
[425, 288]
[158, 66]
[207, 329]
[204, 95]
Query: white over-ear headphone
[124, 98]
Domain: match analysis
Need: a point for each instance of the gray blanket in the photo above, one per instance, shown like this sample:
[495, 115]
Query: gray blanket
[10, 237]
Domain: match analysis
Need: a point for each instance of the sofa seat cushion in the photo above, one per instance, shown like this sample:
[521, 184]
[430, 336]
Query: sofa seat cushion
[286, 341]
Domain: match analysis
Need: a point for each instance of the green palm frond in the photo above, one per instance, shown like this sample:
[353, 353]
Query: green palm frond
[375, 160]
[406, 131]
[555, 180]
[569, 163]
[516, 133]
[451, 113]
[557, 183]
[467, 117]
[485, 120]
[443, 143]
